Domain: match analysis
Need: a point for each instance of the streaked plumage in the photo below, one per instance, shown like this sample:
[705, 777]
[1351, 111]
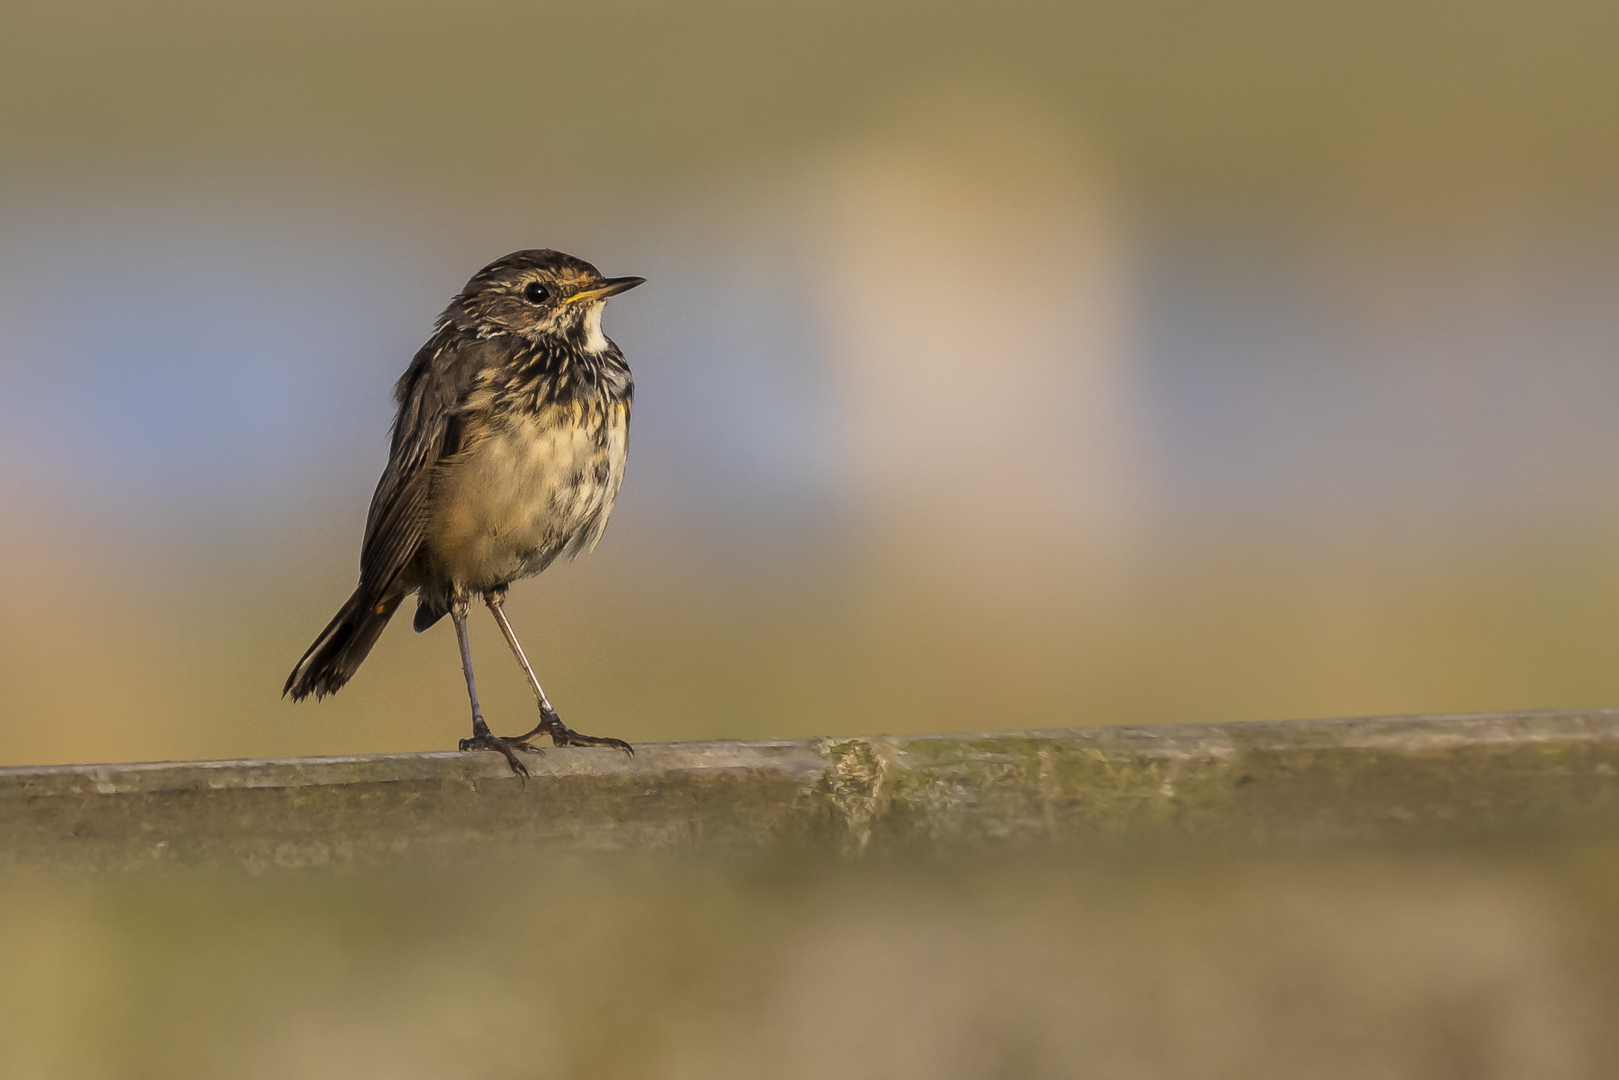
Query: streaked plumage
[508, 451]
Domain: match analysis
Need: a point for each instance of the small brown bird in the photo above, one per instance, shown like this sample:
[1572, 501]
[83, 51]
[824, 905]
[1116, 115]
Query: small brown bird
[508, 451]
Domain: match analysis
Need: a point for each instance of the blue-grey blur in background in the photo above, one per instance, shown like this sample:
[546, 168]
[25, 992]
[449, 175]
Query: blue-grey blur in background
[998, 366]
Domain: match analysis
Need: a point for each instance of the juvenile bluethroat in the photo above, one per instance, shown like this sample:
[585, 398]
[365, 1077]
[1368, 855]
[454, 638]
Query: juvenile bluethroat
[508, 450]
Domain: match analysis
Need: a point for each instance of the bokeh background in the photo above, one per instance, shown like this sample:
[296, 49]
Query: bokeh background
[1000, 366]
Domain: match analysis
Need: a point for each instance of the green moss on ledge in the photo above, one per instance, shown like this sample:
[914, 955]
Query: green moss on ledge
[1365, 781]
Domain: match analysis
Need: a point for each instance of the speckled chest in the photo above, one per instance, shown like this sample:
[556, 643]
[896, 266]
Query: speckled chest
[536, 478]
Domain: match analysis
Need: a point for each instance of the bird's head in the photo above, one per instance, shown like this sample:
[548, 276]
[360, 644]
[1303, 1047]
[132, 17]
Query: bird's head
[536, 294]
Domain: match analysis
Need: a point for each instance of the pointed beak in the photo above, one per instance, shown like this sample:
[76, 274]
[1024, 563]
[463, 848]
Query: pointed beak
[609, 287]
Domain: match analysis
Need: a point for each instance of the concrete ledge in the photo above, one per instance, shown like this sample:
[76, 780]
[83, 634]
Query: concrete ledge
[1355, 781]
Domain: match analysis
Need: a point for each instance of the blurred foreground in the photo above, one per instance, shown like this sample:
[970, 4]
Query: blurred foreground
[1422, 898]
[1472, 964]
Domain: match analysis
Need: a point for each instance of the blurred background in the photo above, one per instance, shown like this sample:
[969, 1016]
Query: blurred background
[999, 366]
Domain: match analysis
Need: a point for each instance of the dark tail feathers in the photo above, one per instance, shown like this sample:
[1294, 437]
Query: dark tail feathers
[428, 612]
[339, 650]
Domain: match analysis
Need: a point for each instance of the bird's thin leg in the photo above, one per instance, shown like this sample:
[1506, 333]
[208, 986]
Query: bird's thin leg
[482, 737]
[550, 723]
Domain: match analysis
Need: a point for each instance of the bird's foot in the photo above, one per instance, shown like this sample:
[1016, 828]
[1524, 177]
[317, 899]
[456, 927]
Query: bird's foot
[568, 737]
[484, 739]
[562, 735]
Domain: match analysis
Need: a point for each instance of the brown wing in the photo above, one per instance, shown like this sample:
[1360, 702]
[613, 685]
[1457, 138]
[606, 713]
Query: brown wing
[426, 430]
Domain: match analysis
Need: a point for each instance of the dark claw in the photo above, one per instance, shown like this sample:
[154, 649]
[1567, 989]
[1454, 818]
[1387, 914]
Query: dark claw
[501, 746]
[562, 735]
[568, 737]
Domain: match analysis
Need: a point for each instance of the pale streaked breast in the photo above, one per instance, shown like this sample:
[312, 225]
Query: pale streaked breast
[526, 489]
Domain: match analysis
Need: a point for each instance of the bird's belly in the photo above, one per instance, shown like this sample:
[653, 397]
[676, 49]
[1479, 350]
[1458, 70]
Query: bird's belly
[524, 492]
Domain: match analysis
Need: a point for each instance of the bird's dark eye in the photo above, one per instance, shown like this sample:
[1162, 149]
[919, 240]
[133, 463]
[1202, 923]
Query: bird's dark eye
[535, 293]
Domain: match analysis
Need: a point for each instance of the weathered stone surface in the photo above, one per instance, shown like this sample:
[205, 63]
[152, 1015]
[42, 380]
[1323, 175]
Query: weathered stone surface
[1302, 782]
